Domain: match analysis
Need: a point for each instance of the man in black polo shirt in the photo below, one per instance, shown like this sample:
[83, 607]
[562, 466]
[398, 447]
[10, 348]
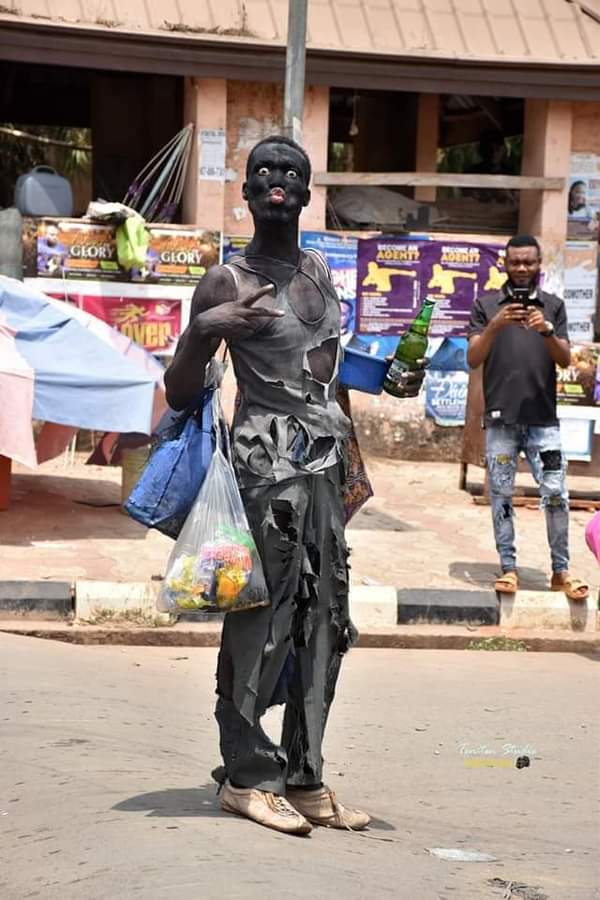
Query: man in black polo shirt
[519, 333]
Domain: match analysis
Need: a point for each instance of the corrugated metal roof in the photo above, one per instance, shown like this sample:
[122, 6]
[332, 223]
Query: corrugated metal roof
[530, 31]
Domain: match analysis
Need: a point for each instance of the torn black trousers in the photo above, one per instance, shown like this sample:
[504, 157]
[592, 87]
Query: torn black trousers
[289, 652]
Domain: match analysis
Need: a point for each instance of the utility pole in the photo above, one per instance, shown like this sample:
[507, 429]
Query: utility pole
[293, 100]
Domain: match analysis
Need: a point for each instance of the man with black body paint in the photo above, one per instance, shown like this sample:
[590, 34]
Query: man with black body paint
[519, 334]
[277, 310]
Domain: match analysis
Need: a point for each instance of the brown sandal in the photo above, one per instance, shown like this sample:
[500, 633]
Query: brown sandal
[571, 586]
[507, 583]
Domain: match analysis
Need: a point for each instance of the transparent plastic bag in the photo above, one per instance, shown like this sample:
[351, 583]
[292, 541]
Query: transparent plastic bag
[214, 565]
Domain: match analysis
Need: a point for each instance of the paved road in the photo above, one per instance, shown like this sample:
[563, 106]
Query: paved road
[105, 754]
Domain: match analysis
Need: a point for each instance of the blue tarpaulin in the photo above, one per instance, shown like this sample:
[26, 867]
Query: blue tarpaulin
[80, 380]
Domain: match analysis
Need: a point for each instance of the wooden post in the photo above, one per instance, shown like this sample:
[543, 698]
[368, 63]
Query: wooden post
[5, 471]
[428, 127]
[205, 106]
[316, 144]
[443, 179]
[546, 153]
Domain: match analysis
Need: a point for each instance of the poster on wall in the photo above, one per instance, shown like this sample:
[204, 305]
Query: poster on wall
[446, 397]
[212, 147]
[150, 315]
[179, 255]
[583, 212]
[340, 252]
[155, 324]
[446, 383]
[233, 245]
[454, 274]
[581, 286]
[86, 250]
[388, 284]
[394, 276]
[576, 436]
[76, 250]
[577, 384]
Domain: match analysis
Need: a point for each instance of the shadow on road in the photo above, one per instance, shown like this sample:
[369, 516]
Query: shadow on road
[55, 508]
[175, 802]
[485, 574]
[380, 825]
[377, 520]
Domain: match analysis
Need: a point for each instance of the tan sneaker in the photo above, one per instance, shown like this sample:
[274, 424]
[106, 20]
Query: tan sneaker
[321, 807]
[265, 808]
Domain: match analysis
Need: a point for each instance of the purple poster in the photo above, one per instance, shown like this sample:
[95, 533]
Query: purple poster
[394, 277]
[454, 274]
[388, 273]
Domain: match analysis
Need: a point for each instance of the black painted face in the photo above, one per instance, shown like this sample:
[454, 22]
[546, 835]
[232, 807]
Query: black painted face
[276, 188]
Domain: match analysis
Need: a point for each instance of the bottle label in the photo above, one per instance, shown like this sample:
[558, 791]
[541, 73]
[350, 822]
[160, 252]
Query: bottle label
[396, 370]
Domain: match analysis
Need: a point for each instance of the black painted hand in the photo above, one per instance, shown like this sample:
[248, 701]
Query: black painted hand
[235, 319]
[409, 382]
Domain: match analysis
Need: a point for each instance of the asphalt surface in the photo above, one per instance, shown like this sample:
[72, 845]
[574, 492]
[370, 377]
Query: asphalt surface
[105, 755]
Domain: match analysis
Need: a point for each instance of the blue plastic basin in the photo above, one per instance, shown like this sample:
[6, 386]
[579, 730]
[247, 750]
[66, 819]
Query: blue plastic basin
[362, 372]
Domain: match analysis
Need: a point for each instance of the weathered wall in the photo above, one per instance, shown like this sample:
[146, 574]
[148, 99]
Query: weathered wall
[586, 128]
[253, 112]
[546, 151]
[204, 106]
[387, 426]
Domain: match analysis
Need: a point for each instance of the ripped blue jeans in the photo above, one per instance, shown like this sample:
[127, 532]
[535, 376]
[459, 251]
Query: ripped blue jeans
[548, 465]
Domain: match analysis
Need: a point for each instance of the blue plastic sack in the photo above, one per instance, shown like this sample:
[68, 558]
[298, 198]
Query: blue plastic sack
[171, 479]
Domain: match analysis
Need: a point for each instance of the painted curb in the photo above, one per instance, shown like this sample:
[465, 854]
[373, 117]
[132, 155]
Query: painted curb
[36, 599]
[451, 606]
[372, 606]
[400, 638]
[546, 609]
[95, 599]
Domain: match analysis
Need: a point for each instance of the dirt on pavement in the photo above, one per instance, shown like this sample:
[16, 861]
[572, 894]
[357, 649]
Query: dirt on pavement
[106, 789]
[419, 531]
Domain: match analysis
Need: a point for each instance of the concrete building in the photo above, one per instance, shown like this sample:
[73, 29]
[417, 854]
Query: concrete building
[135, 72]
[391, 86]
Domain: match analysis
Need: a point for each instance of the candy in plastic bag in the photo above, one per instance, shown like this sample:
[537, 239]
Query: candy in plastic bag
[214, 565]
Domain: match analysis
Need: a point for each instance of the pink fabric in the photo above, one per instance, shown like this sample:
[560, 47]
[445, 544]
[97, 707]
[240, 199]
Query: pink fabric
[592, 535]
[16, 393]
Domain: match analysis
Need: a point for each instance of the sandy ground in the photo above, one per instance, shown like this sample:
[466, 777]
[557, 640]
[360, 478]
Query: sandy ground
[106, 793]
[419, 531]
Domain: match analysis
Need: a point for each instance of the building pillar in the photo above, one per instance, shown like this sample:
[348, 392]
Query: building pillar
[546, 153]
[5, 473]
[428, 131]
[254, 111]
[205, 106]
[315, 132]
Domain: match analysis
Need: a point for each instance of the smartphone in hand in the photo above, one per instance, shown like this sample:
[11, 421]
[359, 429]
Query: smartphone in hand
[521, 295]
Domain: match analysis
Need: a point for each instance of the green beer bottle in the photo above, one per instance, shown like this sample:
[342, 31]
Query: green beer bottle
[412, 347]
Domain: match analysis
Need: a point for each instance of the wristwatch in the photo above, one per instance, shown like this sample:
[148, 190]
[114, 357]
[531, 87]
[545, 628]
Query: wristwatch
[549, 332]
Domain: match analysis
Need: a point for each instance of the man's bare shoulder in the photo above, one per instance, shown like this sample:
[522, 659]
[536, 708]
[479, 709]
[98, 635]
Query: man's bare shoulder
[215, 288]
